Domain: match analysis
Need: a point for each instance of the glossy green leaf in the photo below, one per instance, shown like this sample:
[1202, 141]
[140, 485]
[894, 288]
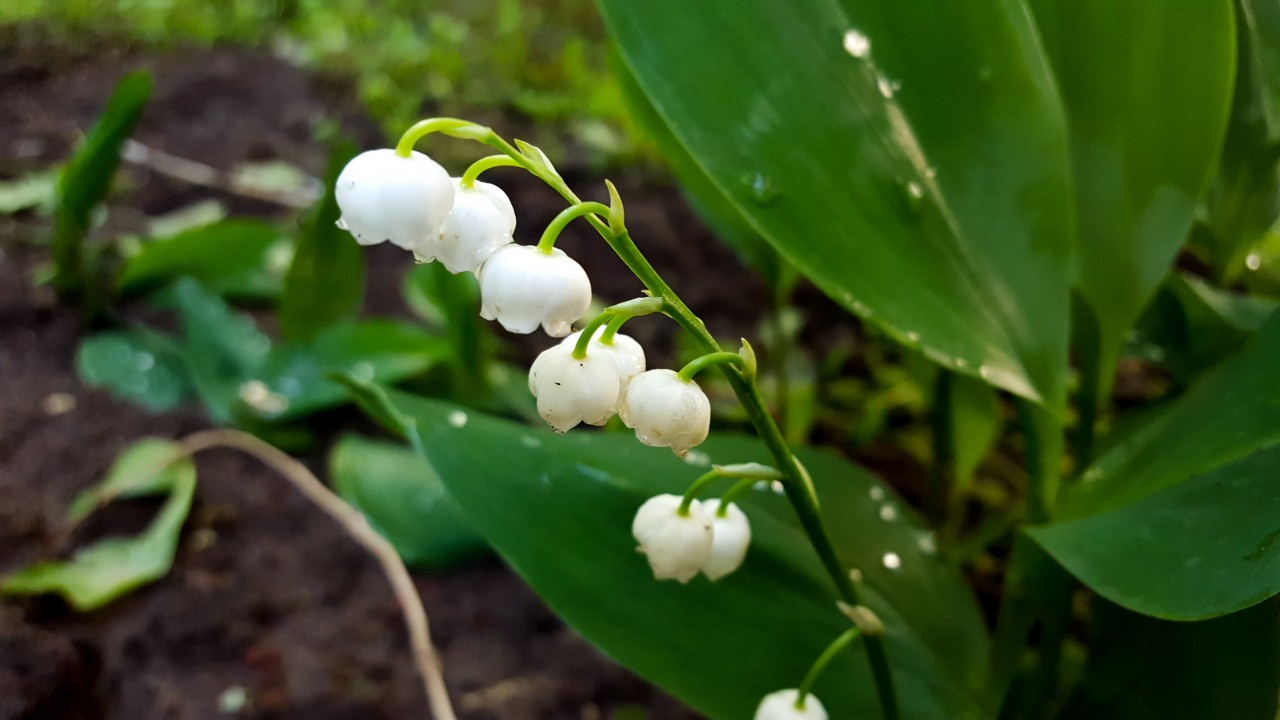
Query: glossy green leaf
[1230, 412]
[232, 258]
[975, 424]
[139, 365]
[87, 178]
[910, 158]
[325, 283]
[1203, 548]
[102, 572]
[1147, 87]
[404, 499]
[559, 509]
[1145, 669]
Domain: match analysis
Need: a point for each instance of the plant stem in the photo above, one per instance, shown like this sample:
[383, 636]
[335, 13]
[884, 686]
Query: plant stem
[796, 482]
[806, 686]
[703, 362]
[485, 163]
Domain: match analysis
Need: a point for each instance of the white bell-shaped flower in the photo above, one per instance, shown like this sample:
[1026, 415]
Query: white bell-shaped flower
[666, 411]
[732, 538]
[624, 349]
[677, 546]
[500, 200]
[781, 705]
[574, 390]
[388, 198]
[474, 229]
[522, 287]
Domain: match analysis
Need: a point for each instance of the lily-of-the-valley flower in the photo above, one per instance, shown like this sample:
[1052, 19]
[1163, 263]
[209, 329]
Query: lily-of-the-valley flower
[677, 545]
[781, 705]
[575, 390]
[731, 538]
[385, 197]
[523, 287]
[666, 411]
[480, 222]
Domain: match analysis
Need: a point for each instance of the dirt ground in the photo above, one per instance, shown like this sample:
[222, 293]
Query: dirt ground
[267, 596]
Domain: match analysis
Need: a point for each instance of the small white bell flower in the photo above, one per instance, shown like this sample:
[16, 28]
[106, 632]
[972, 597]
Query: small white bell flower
[677, 546]
[474, 229]
[388, 198]
[666, 411]
[500, 200]
[625, 350]
[522, 287]
[732, 533]
[781, 705]
[573, 390]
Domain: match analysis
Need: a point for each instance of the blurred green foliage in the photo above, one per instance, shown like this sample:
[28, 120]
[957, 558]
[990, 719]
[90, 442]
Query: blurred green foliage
[545, 58]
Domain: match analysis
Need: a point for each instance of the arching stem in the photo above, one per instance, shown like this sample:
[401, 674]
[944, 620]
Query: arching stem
[566, 216]
[845, 640]
[485, 163]
[699, 364]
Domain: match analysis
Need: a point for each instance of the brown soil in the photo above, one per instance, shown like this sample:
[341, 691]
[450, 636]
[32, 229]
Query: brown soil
[266, 594]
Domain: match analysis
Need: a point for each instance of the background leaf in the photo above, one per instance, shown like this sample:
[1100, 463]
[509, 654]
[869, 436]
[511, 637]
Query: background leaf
[87, 178]
[232, 258]
[922, 183]
[139, 365]
[325, 283]
[532, 494]
[1145, 669]
[108, 569]
[403, 498]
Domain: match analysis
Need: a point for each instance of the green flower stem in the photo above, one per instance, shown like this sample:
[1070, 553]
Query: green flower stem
[485, 163]
[751, 473]
[453, 127]
[566, 216]
[613, 317]
[795, 479]
[699, 364]
[612, 328]
[734, 493]
[845, 640]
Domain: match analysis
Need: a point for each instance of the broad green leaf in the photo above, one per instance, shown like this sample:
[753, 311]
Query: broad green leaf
[1145, 669]
[102, 572]
[403, 498]
[910, 158]
[232, 258]
[139, 365]
[1245, 199]
[325, 283]
[1203, 548]
[1147, 87]
[1230, 412]
[711, 205]
[87, 178]
[559, 509]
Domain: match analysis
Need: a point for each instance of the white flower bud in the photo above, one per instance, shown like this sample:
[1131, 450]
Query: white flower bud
[473, 230]
[522, 287]
[500, 200]
[572, 390]
[781, 705]
[677, 546]
[666, 411]
[625, 350]
[388, 198]
[732, 534]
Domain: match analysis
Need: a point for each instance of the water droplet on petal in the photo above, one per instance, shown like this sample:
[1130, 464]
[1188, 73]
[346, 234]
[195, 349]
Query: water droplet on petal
[891, 560]
[857, 44]
[458, 419]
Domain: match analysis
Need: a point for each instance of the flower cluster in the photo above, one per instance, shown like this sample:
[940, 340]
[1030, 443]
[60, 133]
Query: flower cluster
[682, 538]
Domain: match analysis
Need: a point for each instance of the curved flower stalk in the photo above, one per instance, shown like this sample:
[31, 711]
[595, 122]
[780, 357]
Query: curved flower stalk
[523, 287]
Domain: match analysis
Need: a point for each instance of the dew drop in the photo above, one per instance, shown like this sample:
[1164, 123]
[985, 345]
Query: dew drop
[362, 371]
[1253, 261]
[778, 488]
[888, 513]
[985, 372]
[144, 361]
[927, 544]
[697, 457]
[931, 172]
[761, 188]
[913, 336]
[857, 44]
[961, 363]
[876, 492]
[886, 87]
[458, 419]
[891, 560]
[530, 441]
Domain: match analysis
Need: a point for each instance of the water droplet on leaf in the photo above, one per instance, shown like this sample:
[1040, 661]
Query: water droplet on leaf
[891, 560]
[857, 44]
